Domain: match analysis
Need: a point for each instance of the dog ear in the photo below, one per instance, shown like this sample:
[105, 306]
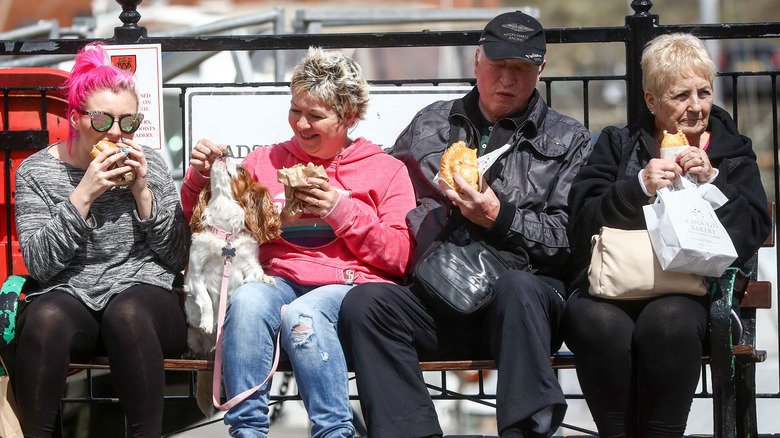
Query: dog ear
[272, 224]
[200, 208]
[261, 216]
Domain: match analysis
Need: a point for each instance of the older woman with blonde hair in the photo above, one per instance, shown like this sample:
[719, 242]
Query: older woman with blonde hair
[638, 361]
[352, 230]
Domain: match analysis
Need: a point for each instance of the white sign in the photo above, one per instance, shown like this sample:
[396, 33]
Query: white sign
[244, 118]
[145, 61]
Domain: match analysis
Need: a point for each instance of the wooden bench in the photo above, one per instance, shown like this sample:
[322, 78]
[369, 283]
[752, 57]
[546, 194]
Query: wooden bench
[732, 366]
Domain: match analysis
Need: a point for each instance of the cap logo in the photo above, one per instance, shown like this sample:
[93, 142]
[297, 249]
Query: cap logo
[514, 35]
[517, 27]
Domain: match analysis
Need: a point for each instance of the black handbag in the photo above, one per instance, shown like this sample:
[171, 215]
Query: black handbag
[456, 274]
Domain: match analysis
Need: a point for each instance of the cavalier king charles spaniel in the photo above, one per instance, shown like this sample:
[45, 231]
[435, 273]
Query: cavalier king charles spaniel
[233, 217]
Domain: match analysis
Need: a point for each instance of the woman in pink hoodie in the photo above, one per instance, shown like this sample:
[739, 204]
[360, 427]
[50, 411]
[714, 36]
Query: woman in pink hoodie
[353, 230]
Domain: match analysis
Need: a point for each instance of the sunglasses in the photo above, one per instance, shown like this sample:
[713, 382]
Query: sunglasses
[102, 122]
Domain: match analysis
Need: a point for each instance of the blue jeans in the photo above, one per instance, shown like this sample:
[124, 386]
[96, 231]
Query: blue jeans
[308, 335]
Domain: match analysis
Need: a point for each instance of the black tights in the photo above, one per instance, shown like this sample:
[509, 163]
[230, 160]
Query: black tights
[137, 328]
[638, 362]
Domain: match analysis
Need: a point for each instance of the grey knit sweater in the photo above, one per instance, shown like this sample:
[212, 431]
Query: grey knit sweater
[113, 249]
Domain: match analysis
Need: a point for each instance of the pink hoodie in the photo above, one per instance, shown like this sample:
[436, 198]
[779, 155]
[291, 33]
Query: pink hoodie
[363, 239]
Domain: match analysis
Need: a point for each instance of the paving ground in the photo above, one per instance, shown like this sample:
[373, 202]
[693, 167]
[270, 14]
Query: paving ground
[219, 430]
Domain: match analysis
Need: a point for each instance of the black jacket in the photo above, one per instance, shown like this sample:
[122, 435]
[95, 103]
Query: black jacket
[531, 180]
[607, 190]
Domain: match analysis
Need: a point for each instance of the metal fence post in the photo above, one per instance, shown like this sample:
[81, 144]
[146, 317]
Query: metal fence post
[641, 28]
[130, 32]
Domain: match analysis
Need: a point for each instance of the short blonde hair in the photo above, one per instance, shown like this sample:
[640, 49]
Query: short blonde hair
[335, 78]
[667, 57]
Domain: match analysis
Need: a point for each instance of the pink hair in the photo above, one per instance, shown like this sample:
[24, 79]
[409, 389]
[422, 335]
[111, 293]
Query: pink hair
[93, 72]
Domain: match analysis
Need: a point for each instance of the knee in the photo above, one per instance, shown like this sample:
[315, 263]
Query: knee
[589, 323]
[298, 323]
[357, 300]
[123, 316]
[591, 333]
[46, 320]
[668, 334]
[362, 304]
[519, 287]
[673, 319]
[251, 304]
[583, 316]
[44, 314]
[240, 298]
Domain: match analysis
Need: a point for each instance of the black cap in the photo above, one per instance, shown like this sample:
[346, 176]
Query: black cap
[514, 35]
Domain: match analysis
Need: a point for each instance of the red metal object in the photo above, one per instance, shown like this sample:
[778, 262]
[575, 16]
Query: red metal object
[25, 103]
[30, 102]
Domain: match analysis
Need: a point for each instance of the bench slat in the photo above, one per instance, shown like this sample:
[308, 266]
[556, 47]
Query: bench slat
[744, 353]
[758, 295]
[749, 354]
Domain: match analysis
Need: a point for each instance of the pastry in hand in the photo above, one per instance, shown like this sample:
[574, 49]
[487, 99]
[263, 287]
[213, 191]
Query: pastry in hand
[463, 160]
[674, 140]
[293, 179]
[125, 178]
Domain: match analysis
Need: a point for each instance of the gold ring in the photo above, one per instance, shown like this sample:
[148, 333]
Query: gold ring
[702, 161]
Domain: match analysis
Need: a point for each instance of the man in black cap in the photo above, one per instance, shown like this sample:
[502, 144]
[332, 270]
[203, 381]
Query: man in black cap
[521, 210]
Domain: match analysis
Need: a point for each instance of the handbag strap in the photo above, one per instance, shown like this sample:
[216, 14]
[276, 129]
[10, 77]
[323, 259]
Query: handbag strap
[455, 220]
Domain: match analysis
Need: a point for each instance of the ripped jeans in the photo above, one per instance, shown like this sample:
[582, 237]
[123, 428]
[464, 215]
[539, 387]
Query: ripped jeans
[308, 336]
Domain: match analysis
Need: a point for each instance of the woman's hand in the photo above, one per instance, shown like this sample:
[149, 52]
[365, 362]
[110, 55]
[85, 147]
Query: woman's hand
[660, 173]
[136, 159]
[203, 155]
[97, 179]
[695, 161]
[320, 197]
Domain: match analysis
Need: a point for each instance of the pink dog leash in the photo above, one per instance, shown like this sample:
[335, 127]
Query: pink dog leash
[229, 252]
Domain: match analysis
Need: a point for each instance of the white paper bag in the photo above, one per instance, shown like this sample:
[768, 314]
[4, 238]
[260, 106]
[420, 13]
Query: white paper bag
[672, 152]
[685, 232]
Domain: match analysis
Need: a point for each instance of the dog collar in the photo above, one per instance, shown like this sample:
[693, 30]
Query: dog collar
[222, 234]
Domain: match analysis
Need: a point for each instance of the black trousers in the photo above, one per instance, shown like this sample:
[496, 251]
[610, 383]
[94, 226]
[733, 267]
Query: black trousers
[136, 329]
[638, 362]
[387, 330]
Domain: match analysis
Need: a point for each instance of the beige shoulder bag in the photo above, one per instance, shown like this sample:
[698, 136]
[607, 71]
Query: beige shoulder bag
[623, 266]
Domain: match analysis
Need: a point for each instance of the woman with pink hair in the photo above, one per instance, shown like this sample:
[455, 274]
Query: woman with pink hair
[104, 249]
